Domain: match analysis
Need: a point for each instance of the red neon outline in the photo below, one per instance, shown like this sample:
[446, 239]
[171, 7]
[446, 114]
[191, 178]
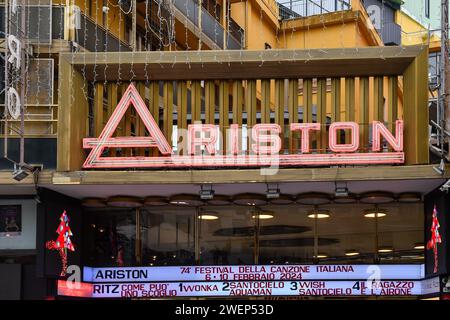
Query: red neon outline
[156, 138]
[79, 289]
[234, 139]
[379, 129]
[252, 160]
[305, 128]
[209, 143]
[344, 147]
[273, 138]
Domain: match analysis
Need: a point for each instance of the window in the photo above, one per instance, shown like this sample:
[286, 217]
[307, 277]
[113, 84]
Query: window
[110, 237]
[227, 235]
[433, 68]
[246, 235]
[167, 236]
[427, 8]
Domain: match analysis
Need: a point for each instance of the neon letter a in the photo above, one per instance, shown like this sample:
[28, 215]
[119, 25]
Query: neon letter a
[156, 138]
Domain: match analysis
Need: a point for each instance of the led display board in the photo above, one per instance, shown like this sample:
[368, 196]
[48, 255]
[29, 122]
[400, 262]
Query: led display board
[246, 288]
[255, 280]
[253, 273]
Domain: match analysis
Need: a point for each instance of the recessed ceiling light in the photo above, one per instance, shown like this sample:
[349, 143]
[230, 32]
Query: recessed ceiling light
[413, 257]
[186, 200]
[282, 199]
[319, 214]
[155, 201]
[313, 198]
[377, 197]
[263, 216]
[219, 200]
[419, 246]
[208, 217]
[375, 213]
[351, 198]
[385, 250]
[93, 203]
[352, 253]
[124, 202]
[409, 197]
[178, 202]
[250, 199]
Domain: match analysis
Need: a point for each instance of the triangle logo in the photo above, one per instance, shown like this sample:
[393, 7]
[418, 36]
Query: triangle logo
[155, 138]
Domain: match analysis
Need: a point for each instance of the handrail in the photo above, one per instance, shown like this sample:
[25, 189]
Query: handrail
[98, 26]
[306, 8]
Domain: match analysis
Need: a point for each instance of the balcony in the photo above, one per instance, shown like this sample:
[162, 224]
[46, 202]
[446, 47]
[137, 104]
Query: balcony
[210, 26]
[293, 9]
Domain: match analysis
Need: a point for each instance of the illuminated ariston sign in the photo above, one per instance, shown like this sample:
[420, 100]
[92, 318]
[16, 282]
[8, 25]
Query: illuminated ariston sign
[258, 280]
[265, 144]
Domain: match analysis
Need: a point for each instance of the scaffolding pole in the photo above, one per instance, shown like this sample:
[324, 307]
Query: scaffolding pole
[444, 111]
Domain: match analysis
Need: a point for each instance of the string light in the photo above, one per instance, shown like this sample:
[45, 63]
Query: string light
[227, 33]
[72, 59]
[120, 7]
[105, 82]
[61, 33]
[83, 70]
[38, 51]
[95, 52]
[146, 43]
[119, 70]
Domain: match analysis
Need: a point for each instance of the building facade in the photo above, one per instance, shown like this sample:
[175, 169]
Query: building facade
[233, 149]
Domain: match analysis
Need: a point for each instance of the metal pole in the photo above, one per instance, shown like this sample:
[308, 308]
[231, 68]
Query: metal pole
[376, 257]
[316, 236]
[133, 26]
[445, 74]
[5, 140]
[138, 242]
[256, 213]
[22, 91]
[200, 31]
[225, 14]
[197, 222]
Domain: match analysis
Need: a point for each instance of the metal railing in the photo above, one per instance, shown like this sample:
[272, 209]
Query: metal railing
[95, 38]
[304, 8]
[39, 27]
[210, 26]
